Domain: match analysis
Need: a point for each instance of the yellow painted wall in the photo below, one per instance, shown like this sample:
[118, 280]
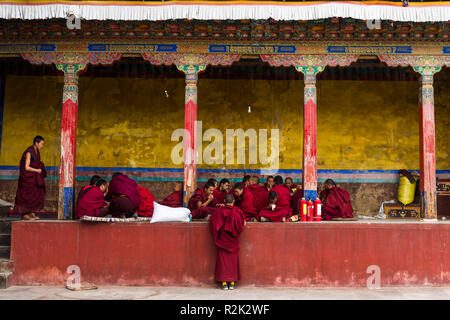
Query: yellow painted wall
[128, 122]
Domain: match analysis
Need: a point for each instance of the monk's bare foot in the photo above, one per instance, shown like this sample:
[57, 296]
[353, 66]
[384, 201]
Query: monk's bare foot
[351, 219]
[27, 217]
[34, 216]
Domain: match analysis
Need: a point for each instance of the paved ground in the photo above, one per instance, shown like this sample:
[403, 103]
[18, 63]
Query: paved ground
[244, 293]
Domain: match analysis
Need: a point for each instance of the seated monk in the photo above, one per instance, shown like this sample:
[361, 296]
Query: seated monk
[92, 201]
[295, 200]
[247, 202]
[214, 182]
[246, 181]
[336, 203]
[146, 200]
[283, 203]
[269, 183]
[123, 195]
[288, 182]
[226, 225]
[175, 199]
[201, 202]
[273, 212]
[259, 193]
[93, 181]
[220, 192]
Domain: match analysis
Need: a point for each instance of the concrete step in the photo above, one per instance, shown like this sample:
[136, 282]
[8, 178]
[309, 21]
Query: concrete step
[5, 226]
[5, 252]
[6, 265]
[5, 239]
[4, 277]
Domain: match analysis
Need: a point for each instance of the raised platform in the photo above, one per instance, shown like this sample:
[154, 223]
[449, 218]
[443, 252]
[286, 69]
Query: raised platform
[326, 254]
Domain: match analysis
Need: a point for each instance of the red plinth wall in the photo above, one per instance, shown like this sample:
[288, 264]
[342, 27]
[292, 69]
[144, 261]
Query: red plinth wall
[272, 254]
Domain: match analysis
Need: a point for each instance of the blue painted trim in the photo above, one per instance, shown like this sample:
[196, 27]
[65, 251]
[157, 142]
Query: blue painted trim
[446, 50]
[68, 196]
[2, 106]
[310, 194]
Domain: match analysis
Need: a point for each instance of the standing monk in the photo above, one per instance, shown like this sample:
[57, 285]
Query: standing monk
[226, 225]
[201, 202]
[175, 199]
[31, 187]
[247, 202]
[336, 203]
[123, 195]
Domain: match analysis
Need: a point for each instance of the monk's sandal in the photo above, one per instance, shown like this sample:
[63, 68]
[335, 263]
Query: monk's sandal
[231, 286]
[224, 286]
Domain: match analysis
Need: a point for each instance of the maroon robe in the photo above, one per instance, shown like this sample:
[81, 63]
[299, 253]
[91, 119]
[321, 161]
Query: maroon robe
[174, 200]
[122, 185]
[145, 208]
[31, 187]
[295, 200]
[337, 204]
[90, 202]
[202, 211]
[248, 205]
[219, 196]
[261, 196]
[226, 224]
[282, 206]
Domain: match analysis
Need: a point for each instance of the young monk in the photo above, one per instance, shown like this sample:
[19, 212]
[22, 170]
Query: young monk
[31, 187]
[93, 181]
[123, 195]
[220, 192]
[214, 182]
[269, 183]
[175, 199]
[92, 201]
[289, 183]
[247, 202]
[246, 181]
[259, 193]
[201, 202]
[336, 203]
[146, 200]
[282, 205]
[226, 225]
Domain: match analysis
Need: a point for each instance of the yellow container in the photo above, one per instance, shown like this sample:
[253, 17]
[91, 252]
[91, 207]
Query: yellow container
[406, 190]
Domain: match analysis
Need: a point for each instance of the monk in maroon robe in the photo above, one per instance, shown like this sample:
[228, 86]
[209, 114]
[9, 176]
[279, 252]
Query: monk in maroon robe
[146, 200]
[31, 187]
[295, 200]
[336, 203]
[220, 192]
[92, 201]
[175, 199]
[260, 194]
[247, 201]
[201, 202]
[227, 224]
[282, 207]
[92, 182]
[269, 183]
[289, 183]
[123, 195]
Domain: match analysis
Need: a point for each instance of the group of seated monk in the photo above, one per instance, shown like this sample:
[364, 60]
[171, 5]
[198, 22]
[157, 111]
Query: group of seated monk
[275, 201]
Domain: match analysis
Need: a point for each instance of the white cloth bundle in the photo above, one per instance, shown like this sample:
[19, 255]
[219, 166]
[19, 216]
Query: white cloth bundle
[168, 214]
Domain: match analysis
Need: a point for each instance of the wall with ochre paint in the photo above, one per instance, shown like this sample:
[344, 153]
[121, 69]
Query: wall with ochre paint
[128, 122]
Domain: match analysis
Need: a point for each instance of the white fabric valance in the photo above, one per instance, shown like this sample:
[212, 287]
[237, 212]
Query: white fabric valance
[202, 10]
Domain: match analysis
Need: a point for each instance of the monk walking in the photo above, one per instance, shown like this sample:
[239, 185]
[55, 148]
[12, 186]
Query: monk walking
[336, 203]
[31, 187]
[175, 199]
[92, 201]
[123, 195]
[201, 202]
[227, 224]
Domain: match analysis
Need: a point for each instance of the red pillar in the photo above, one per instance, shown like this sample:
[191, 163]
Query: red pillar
[427, 149]
[310, 138]
[190, 134]
[68, 146]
